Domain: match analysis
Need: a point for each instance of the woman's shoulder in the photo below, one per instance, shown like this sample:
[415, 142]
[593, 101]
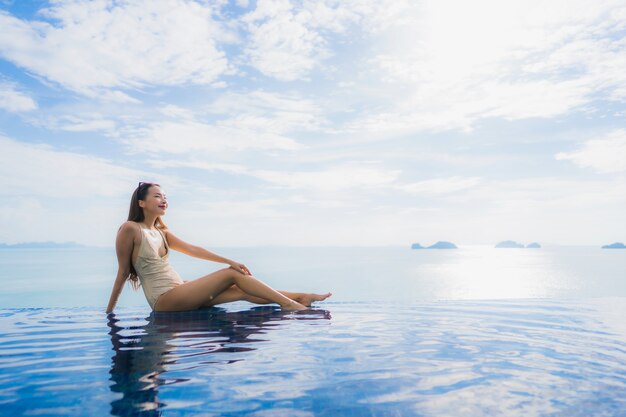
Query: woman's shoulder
[129, 227]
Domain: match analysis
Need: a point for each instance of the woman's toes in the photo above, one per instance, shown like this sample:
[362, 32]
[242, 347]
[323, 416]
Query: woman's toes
[321, 297]
[307, 299]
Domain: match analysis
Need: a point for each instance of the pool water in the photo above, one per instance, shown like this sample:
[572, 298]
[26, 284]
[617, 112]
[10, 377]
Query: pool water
[524, 357]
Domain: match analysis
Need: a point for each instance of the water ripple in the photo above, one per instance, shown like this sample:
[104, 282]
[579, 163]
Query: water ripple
[522, 357]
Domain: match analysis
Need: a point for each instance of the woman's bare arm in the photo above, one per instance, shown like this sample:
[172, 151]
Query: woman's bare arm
[180, 245]
[124, 244]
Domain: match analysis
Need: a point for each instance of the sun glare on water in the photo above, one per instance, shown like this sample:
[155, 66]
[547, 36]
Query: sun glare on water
[487, 273]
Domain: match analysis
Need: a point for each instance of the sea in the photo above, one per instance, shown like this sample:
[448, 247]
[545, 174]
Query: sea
[473, 331]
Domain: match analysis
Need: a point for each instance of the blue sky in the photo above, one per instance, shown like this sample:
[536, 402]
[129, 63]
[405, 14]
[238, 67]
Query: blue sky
[315, 122]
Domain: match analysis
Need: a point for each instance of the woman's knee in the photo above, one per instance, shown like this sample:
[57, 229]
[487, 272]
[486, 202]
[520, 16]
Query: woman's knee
[228, 274]
[239, 277]
[236, 275]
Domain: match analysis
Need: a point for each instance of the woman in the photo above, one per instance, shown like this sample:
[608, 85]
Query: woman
[143, 245]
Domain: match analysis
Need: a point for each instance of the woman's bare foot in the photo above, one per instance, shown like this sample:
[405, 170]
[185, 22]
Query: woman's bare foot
[293, 305]
[307, 299]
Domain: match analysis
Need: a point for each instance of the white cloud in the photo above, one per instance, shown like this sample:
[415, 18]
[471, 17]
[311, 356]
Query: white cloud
[339, 177]
[51, 194]
[86, 122]
[39, 169]
[174, 111]
[199, 164]
[331, 179]
[282, 44]
[457, 62]
[535, 209]
[263, 102]
[440, 185]
[101, 48]
[288, 151]
[333, 205]
[287, 40]
[268, 112]
[606, 154]
[188, 137]
[13, 100]
[258, 120]
[427, 65]
[239, 209]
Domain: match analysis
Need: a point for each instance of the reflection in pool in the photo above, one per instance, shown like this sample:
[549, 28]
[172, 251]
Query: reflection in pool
[182, 341]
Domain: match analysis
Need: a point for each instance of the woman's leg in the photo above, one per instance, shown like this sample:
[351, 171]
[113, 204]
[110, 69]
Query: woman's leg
[194, 294]
[234, 293]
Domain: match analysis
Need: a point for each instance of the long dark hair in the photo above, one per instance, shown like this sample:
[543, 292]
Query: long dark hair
[135, 213]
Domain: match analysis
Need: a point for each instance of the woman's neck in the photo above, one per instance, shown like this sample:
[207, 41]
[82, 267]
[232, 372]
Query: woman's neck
[149, 221]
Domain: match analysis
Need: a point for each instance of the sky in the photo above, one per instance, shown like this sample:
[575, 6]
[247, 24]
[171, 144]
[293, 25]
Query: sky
[315, 123]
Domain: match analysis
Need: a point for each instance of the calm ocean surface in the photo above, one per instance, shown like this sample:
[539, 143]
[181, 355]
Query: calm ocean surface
[84, 277]
[474, 331]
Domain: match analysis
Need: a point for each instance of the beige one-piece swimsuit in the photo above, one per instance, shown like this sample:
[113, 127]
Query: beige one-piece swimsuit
[155, 272]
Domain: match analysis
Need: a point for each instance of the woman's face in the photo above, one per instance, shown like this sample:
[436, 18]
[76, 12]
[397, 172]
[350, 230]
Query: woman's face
[155, 201]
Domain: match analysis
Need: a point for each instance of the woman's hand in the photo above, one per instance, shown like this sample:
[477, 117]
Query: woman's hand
[237, 266]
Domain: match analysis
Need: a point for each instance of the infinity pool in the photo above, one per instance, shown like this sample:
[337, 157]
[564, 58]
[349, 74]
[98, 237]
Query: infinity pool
[455, 358]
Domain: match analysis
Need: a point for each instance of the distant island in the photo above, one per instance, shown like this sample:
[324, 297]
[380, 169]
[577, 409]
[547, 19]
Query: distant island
[513, 244]
[509, 244]
[438, 245]
[616, 245]
[42, 245]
